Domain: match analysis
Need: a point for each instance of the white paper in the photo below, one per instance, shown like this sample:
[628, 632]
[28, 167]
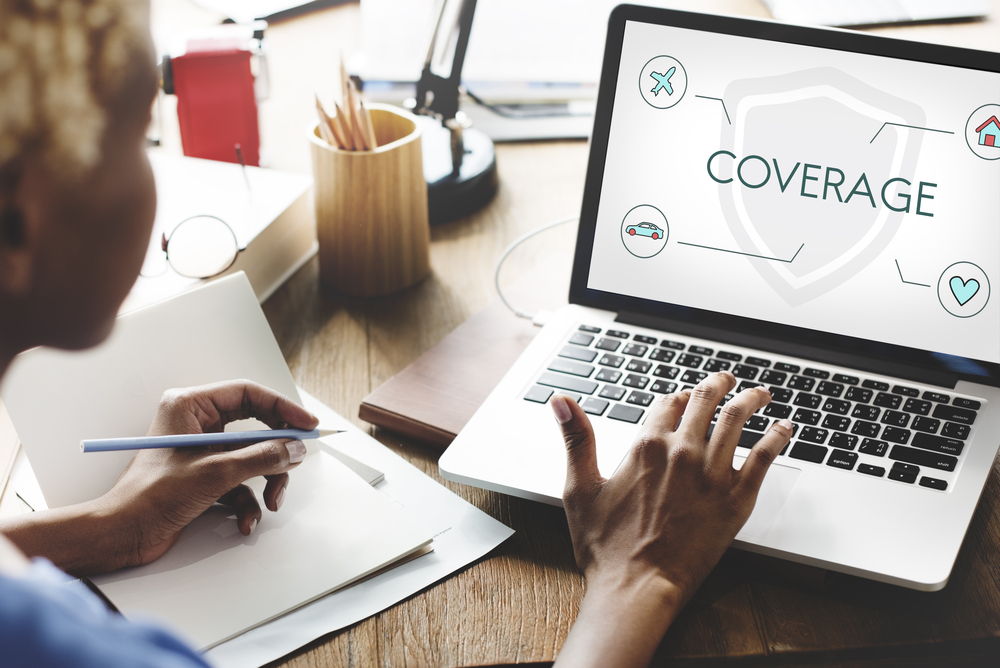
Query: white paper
[462, 534]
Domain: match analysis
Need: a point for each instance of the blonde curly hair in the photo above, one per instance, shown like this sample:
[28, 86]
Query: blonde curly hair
[61, 63]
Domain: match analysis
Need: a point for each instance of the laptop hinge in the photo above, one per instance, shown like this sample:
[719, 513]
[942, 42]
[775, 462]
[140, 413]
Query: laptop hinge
[918, 374]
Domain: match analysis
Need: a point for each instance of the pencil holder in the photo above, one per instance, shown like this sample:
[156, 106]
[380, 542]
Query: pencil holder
[371, 208]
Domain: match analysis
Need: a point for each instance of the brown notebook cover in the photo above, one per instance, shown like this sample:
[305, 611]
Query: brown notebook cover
[433, 398]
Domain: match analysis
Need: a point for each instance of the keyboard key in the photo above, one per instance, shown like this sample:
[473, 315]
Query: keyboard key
[572, 395]
[836, 406]
[843, 441]
[870, 446]
[700, 350]
[947, 446]
[664, 371]
[772, 377]
[640, 398]
[801, 383]
[644, 339]
[954, 414]
[693, 361]
[758, 361]
[748, 439]
[618, 334]
[590, 328]
[808, 400]
[639, 366]
[608, 344]
[635, 380]
[868, 469]
[842, 459]
[933, 483]
[693, 377]
[862, 428]
[663, 387]
[902, 476]
[809, 452]
[917, 406]
[936, 396]
[757, 423]
[814, 435]
[612, 392]
[538, 394]
[594, 406]
[571, 367]
[714, 365]
[636, 350]
[626, 413]
[789, 368]
[967, 403]
[952, 430]
[580, 339]
[866, 413]
[844, 378]
[875, 385]
[908, 468]
[895, 418]
[581, 354]
[746, 372]
[732, 357]
[777, 411]
[806, 417]
[564, 382]
[906, 391]
[858, 394]
[816, 373]
[927, 425]
[895, 435]
[836, 422]
[746, 384]
[780, 394]
[675, 345]
[661, 355]
[608, 376]
[923, 458]
[888, 400]
[611, 360]
[830, 389]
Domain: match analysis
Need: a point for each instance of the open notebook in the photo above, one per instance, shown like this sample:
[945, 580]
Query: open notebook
[333, 529]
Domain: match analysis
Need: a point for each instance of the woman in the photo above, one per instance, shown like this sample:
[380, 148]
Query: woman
[77, 202]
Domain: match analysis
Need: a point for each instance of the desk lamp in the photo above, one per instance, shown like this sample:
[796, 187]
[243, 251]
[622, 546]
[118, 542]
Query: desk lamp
[459, 161]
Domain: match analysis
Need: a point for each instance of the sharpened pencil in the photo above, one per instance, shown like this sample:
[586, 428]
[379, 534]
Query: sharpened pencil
[202, 440]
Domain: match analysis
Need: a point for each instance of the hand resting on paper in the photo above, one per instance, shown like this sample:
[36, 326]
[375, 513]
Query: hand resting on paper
[161, 491]
[647, 537]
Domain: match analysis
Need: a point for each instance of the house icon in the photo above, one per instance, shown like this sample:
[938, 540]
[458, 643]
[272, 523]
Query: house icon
[989, 132]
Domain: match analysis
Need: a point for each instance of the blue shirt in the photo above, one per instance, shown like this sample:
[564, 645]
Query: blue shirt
[47, 620]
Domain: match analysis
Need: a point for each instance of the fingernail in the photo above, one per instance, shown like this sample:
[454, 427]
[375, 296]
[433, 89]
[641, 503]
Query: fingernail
[764, 390]
[786, 423]
[296, 451]
[278, 500]
[253, 524]
[561, 409]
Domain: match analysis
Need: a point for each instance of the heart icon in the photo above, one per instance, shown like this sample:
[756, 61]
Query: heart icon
[964, 291]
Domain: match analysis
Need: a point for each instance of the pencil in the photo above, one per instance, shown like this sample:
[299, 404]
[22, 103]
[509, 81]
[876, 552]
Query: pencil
[353, 108]
[201, 440]
[343, 122]
[325, 130]
[367, 127]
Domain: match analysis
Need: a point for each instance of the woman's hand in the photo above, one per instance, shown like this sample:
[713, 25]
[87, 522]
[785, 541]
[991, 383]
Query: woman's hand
[162, 490]
[647, 537]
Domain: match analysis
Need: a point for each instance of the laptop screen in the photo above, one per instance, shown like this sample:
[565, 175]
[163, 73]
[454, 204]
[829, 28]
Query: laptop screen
[829, 190]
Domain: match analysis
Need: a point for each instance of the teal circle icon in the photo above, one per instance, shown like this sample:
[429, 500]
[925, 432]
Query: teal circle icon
[963, 289]
[663, 82]
[982, 132]
[645, 231]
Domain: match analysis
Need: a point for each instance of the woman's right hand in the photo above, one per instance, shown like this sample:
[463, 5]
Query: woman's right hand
[648, 536]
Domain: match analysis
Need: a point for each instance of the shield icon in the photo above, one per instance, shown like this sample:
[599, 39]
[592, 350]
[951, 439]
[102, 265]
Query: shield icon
[815, 134]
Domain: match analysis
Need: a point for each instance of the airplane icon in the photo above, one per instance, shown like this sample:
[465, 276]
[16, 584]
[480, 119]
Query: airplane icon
[663, 81]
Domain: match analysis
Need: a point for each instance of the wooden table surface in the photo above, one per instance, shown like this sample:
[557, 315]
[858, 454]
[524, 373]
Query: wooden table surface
[517, 604]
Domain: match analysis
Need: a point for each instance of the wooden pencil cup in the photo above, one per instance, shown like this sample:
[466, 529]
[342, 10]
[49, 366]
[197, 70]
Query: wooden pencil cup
[371, 208]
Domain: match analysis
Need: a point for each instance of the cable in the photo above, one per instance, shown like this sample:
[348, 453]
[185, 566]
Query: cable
[517, 242]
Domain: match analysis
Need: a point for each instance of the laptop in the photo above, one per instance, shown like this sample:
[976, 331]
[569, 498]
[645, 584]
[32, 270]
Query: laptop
[875, 12]
[817, 212]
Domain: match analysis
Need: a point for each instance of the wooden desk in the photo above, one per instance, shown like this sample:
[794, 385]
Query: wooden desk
[517, 605]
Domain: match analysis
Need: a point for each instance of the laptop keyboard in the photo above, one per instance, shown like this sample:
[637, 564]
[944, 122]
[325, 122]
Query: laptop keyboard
[842, 419]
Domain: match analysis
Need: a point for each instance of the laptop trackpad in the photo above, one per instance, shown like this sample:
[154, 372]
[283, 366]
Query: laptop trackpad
[778, 484]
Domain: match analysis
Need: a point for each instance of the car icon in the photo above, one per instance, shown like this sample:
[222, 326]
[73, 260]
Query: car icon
[644, 230]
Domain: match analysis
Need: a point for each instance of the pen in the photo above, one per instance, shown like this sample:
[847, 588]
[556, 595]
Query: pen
[195, 440]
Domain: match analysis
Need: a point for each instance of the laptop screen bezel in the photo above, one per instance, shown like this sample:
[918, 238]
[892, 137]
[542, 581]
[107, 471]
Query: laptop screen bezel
[841, 40]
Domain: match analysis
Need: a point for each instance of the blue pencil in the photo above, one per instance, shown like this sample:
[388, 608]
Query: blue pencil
[201, 440]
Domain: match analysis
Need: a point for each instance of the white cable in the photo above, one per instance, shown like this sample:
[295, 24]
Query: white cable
[517, 242]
